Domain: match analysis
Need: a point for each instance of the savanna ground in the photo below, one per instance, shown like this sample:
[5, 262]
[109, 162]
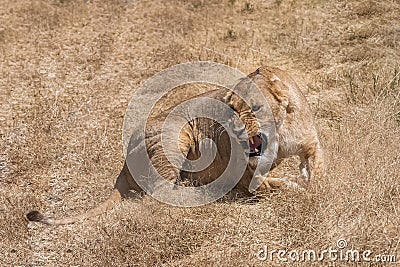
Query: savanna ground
[69, 69]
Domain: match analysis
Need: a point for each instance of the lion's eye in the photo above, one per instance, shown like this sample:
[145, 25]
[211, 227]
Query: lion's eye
[255, 107]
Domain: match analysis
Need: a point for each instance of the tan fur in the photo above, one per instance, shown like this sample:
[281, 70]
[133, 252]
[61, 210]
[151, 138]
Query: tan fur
[295, 130]
[297, 133]
[294, 122]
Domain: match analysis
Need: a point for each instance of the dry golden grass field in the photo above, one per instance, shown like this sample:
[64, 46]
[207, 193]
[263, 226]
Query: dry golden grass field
[68, 70]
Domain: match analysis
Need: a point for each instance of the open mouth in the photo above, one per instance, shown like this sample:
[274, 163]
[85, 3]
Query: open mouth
[255, 145]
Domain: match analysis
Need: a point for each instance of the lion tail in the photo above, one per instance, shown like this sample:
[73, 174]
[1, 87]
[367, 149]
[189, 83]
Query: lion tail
[113, 199]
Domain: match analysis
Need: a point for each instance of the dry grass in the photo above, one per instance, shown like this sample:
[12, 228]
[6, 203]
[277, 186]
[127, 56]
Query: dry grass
[68, 69]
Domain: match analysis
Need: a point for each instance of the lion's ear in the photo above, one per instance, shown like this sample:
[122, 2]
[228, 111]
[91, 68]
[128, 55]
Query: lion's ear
[275, 85]
[280, 92]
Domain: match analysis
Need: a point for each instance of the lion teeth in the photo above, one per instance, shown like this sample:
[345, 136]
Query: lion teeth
[256, 150]
[251, 140]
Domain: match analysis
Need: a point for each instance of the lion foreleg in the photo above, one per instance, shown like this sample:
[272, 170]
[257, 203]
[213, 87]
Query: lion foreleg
[312, 163]
[267, 184]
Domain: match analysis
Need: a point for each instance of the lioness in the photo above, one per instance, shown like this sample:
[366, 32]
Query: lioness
[295, 132]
